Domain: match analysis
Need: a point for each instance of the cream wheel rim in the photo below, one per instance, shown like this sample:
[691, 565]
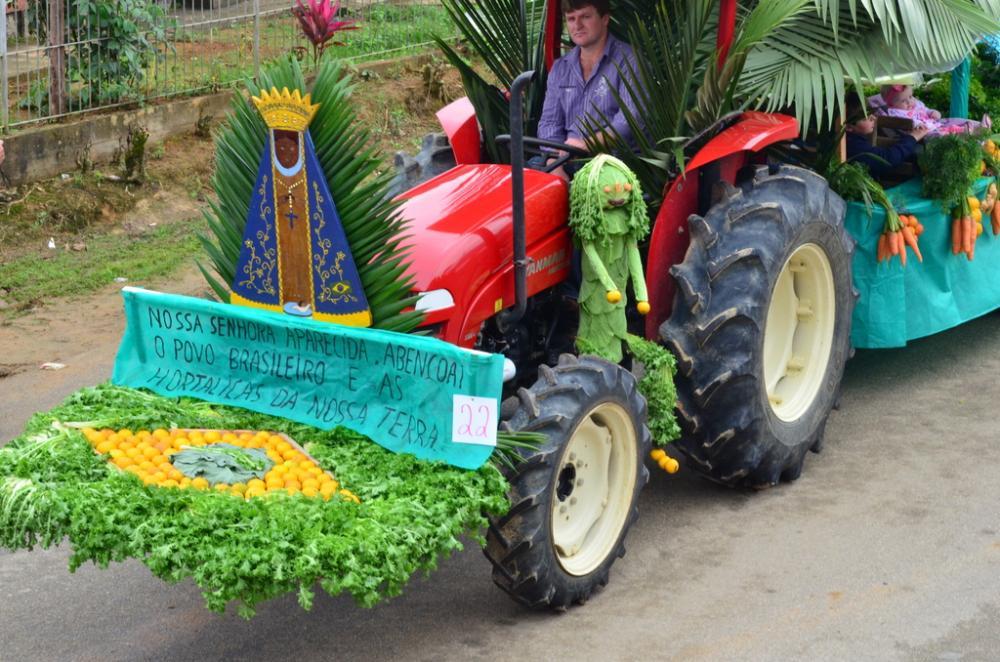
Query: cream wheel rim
[798, 335]
[593, 488]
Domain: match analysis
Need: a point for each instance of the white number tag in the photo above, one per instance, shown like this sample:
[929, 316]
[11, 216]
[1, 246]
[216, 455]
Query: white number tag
[474, 420]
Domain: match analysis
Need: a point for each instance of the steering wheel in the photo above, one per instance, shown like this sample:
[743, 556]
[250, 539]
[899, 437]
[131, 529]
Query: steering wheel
[536, 147]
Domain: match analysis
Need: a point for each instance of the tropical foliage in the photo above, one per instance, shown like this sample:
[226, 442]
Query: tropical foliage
[520, 49]
[318, 20]
[798, 55]
[371, 222]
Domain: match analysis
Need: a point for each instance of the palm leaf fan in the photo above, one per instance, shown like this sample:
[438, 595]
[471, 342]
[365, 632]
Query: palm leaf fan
[373, 227]
[507, 36]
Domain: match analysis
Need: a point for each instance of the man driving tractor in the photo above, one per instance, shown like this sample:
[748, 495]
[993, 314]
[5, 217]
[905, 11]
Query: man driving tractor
[581, 81]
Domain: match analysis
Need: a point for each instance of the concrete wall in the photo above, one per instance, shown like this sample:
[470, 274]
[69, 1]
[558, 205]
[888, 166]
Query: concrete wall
[48, 150]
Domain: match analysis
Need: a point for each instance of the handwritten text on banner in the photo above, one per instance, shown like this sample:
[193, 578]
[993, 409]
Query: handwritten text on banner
[396, 388]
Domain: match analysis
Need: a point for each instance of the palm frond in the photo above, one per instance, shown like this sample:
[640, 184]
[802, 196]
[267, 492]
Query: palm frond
[507, 35]
[371, 222]
[786, 54]
[805, 60]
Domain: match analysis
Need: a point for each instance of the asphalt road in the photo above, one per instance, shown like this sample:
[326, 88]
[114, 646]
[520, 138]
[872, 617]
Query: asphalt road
[887, 548]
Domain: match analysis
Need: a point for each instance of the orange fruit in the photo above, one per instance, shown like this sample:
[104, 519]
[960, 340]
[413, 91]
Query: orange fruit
[199, 483]
[212, 435]
[159, 476]
[221, 487]
[104, 446]
[275, 483]
[170, 482]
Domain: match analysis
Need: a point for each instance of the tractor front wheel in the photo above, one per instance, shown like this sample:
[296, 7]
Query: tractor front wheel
[761, 327]
[574, 498]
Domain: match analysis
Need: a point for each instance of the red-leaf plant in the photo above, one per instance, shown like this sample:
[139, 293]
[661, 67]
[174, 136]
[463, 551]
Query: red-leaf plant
[319, 24]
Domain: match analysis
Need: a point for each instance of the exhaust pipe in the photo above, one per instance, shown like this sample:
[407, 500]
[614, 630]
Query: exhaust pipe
[509, 318]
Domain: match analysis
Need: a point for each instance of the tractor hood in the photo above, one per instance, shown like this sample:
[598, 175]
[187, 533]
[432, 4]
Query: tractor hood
[460, 224]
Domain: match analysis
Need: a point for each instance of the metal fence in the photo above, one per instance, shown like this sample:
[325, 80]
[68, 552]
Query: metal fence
[62, 57]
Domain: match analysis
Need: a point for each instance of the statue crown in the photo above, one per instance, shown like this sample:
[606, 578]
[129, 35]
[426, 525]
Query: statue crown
[285, 110]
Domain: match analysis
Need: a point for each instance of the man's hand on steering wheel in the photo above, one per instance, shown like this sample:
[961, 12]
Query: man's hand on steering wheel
[557, 164]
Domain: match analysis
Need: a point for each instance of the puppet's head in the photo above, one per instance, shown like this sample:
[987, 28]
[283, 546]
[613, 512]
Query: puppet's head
[606, 184]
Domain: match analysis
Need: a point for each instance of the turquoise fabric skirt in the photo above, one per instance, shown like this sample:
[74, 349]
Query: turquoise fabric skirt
[897, 303]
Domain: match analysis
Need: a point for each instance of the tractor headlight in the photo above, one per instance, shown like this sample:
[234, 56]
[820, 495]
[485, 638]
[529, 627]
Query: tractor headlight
[434, 300]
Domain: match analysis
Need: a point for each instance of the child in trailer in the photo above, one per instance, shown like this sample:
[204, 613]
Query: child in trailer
[878, 160]
[898, 101]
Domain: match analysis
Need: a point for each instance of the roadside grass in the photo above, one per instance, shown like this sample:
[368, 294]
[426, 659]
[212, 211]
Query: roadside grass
[220, 56]
[158, 252]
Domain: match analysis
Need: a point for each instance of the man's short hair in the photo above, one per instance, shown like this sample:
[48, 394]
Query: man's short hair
[603, 7]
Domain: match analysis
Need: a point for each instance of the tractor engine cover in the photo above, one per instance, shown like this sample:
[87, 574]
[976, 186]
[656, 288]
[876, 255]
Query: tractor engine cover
[461, 240]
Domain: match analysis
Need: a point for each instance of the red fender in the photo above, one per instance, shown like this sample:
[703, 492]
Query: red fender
[458, 119]
[732, 149]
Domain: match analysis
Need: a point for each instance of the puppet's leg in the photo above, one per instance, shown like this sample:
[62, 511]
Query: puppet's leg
[599, 332]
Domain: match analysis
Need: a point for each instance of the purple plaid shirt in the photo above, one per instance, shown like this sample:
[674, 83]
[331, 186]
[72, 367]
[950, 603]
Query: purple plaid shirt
[569, 98]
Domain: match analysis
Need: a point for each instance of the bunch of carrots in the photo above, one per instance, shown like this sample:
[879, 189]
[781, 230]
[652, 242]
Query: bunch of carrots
[964, 229]
[990, 206]
[901, 230]
[991, 159]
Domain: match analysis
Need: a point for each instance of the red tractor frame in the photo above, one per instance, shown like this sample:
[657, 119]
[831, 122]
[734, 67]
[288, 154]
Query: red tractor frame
[748, 269]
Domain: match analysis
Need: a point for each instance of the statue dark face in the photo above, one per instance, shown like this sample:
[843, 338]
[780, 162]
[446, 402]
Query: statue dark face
[286, 147]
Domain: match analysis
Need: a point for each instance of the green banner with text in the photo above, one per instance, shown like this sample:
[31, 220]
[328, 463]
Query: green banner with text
[411, 394]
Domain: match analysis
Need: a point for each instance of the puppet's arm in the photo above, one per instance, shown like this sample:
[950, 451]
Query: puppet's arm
[614, 296]
[638, 277]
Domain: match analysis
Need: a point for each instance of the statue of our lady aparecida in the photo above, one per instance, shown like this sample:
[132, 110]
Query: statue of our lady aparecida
[295, 257]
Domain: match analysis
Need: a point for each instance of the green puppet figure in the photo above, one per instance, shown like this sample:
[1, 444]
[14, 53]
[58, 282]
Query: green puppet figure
[608, 216]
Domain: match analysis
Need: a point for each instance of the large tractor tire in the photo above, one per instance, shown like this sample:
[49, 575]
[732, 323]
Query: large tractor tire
[574, 499]
[761, 326]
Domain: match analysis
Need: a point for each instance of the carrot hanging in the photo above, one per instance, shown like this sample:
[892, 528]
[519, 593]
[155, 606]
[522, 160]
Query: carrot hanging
[911, 240]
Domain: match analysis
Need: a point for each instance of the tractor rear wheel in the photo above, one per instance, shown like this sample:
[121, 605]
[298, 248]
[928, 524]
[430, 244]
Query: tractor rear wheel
[574, 499]
[761, 327]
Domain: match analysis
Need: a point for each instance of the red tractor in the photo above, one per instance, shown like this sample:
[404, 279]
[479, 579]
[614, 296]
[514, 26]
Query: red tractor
[749, 272]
